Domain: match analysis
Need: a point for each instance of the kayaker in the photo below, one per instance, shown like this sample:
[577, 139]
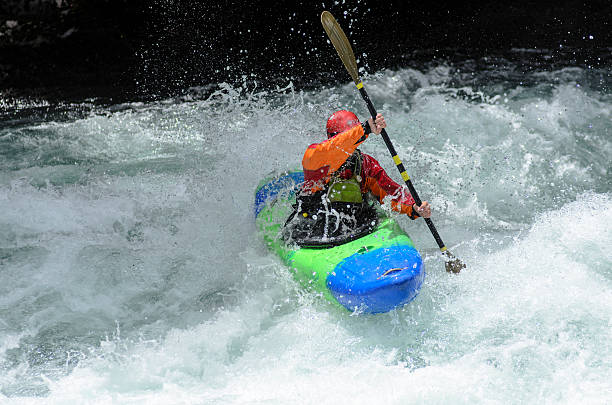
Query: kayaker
[334, 205]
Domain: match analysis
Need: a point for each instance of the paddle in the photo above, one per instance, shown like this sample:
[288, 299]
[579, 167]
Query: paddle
[345, 51]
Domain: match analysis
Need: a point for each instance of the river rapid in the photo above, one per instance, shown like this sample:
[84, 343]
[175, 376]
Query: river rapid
[131, 271]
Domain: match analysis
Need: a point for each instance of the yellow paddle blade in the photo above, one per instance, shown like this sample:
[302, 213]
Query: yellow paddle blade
[341, 43]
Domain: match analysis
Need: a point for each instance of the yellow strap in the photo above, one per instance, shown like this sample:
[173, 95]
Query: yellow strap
[405, 176]
[443, 249]
[359, 85]
[390, 271]
[397, 160]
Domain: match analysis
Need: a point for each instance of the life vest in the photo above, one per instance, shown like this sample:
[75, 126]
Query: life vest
[338, 213]
[347, 190]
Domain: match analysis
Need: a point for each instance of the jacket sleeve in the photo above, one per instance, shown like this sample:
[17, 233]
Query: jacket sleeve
[381, 185]
[321, 160]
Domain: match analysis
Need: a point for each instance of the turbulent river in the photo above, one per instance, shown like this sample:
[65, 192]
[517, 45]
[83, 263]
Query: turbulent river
[131, 271]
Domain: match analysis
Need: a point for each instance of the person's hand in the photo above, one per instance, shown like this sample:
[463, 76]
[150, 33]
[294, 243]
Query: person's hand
[424, 210]
[377, 125]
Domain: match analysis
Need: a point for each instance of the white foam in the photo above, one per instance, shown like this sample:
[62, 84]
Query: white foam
[149, 240]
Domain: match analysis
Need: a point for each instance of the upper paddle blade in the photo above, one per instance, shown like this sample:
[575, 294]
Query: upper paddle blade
[341, 43]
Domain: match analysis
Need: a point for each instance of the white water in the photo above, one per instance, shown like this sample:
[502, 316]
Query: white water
[131, 272]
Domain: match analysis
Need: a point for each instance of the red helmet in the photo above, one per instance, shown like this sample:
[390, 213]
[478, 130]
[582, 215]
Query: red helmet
[340, 121]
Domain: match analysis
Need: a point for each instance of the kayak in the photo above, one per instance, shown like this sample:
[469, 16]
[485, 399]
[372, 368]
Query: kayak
[374, 273]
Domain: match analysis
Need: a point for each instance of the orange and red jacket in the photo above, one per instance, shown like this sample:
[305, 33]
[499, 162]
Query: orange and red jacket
[323, 159]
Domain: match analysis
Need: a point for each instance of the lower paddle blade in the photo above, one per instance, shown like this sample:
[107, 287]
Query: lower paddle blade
[453, 265]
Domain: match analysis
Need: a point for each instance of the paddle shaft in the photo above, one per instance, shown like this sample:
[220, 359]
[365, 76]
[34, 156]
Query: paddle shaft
[401, 168]
[345, 51]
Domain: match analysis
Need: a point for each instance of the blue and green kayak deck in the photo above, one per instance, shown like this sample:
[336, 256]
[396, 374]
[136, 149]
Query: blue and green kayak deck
[375, 273]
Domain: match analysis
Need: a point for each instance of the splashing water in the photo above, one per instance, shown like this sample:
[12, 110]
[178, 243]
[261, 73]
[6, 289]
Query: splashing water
[131, 271]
